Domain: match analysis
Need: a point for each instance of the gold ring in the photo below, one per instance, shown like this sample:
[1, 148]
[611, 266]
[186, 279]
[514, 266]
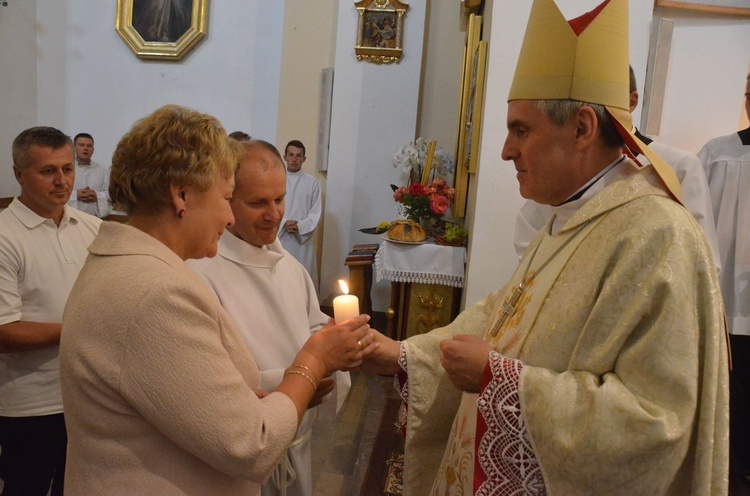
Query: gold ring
[360, 344]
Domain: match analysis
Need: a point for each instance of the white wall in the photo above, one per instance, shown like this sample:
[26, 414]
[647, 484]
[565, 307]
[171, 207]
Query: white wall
[18, 51]
[441, 82]
[374, 113]
[87, 79]
[308, 47]
[709, 62]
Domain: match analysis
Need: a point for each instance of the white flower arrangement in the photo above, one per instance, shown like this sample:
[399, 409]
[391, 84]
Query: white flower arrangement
[411, 159]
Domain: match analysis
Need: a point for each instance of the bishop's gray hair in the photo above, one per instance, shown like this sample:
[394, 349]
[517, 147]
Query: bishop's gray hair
[561, 111]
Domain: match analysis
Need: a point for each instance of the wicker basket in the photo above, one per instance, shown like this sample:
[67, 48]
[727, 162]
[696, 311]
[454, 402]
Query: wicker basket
[440, 240]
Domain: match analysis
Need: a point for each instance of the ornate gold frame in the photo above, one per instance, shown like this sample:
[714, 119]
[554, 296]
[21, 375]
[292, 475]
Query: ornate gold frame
[163, 50]
[471, 101]
[374, 47]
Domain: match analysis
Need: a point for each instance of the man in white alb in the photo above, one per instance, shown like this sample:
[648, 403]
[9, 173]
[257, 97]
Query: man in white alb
[726, 160]
[303, 209]
[270, 297]
[91, 193]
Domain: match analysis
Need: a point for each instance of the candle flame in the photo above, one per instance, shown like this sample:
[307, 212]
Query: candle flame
[344, 286]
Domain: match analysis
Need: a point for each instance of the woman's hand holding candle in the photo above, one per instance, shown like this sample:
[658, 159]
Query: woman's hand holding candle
[337, 346]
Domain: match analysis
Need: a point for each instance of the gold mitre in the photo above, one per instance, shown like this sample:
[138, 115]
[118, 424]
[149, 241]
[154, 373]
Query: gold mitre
[584, 59]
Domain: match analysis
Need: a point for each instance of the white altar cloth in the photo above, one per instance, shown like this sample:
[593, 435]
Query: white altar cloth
[425, 263]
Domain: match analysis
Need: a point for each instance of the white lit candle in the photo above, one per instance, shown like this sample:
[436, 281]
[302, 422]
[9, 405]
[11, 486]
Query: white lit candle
[345, 306]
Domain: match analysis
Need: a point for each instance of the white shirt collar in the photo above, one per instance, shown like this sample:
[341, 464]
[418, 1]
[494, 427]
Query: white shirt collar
[240, 251]
[563, 213]
[31, 219]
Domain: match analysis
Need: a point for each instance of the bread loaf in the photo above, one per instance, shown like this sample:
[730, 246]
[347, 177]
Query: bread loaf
[406, 230]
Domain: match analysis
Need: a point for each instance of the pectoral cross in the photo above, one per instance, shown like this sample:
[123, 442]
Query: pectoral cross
[509, 308]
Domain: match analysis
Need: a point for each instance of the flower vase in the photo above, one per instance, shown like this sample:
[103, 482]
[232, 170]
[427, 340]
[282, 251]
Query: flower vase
[427, 223]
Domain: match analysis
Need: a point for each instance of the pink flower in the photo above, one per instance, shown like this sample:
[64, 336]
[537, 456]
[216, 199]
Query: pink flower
[439, 205]
[398, 194]
[418, 189]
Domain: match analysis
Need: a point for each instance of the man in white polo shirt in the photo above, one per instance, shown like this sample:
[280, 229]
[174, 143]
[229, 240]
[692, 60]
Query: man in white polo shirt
[43, 245]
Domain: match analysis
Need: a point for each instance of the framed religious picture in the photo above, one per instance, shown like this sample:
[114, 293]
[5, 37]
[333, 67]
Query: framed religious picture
[380, 30]
[732, 7]
[470, 105]
[161, 29]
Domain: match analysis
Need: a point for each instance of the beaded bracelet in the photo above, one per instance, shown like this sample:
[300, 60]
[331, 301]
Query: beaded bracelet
[303, 374]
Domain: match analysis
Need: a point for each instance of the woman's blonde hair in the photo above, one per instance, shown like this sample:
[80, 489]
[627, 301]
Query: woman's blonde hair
[172, 146]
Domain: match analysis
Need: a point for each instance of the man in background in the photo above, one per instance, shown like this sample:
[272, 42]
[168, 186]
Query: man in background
[92, 179]
[240, 136]
[43, 245]
[303, 210]
[726, 160]
[270, 297]
[686, 166]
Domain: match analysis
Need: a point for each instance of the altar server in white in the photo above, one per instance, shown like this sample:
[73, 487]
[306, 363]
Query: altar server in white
[303, 209]
[726, 160]
[91, 189]
[270, 297]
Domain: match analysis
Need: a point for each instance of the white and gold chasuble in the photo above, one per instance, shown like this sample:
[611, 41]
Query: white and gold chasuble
[623, 388]
[506, 334]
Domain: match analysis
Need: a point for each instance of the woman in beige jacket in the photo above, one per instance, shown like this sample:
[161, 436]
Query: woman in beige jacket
[159, 389]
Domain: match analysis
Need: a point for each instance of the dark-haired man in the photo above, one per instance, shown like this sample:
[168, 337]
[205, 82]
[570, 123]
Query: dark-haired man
[303, 210]
[240, 136]
[92, 179]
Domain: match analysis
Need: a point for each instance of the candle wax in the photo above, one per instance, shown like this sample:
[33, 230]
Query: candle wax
[345, 307]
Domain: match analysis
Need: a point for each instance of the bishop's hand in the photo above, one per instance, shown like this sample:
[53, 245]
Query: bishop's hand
[464, 359]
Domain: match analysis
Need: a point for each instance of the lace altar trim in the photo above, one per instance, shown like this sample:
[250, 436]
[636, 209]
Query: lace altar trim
[400, 276]
[384, 273]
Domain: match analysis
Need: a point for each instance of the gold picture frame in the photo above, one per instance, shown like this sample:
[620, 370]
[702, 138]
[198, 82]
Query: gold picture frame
[730, 7]
[380, 30]
[161, 29]
[471, 101]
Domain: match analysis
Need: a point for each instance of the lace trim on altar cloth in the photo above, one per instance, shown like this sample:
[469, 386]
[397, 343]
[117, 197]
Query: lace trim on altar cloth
[505, 453]
[419, 278]
[433, 266]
